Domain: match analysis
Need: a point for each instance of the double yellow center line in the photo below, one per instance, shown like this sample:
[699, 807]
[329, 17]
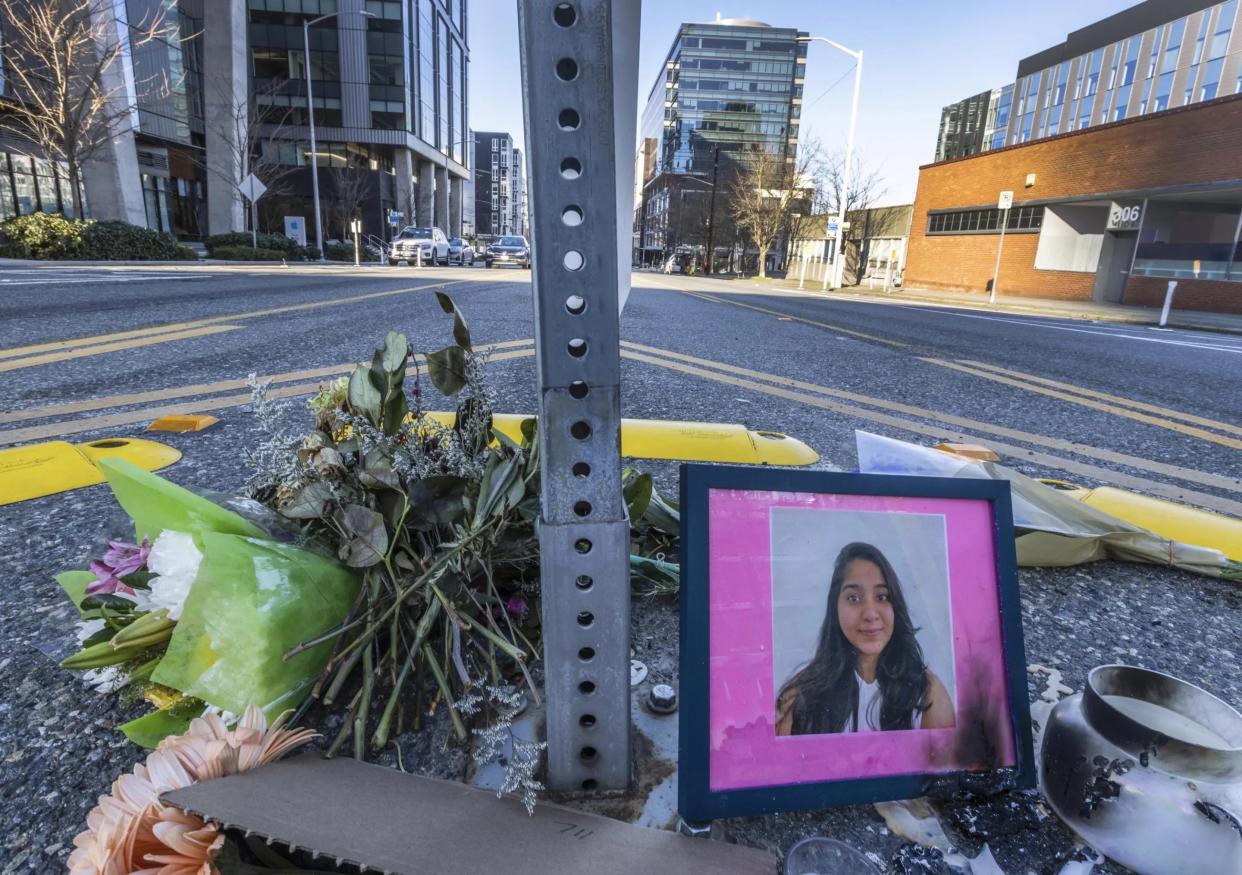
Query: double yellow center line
[18, 357]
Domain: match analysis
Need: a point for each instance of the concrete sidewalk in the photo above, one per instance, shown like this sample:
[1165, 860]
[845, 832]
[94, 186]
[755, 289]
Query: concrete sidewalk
[1089, 310]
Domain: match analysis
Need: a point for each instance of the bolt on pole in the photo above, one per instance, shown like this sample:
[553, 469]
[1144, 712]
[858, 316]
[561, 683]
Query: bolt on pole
[568, 64]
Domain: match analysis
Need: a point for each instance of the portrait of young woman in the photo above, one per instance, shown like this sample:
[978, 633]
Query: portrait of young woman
[868, 672]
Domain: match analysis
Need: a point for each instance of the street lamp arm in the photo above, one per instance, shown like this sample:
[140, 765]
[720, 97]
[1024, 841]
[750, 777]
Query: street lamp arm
[838, 261]
[315, 21]
[857, 55]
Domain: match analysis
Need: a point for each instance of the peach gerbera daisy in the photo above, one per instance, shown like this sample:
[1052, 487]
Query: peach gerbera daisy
[131, 827]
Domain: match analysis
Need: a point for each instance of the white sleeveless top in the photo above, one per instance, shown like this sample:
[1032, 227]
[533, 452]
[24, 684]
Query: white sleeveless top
[867, 718]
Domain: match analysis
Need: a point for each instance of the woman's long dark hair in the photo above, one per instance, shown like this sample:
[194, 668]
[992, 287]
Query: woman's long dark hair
[824, 692]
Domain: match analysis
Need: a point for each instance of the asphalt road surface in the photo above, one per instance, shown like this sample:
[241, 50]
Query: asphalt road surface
[94, 352]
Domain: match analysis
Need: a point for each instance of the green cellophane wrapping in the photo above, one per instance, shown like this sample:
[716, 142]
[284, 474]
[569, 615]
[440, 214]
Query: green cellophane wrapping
[253, 600]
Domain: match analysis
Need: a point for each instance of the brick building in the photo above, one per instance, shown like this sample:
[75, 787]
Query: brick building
[1125, 165]
[1110, 213]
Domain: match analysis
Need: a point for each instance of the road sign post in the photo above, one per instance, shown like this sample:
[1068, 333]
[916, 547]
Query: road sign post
[252, 188]
[570, 54]
[1004, 203]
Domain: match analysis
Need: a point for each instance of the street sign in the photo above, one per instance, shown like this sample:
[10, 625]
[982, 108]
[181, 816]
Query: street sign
[1005, 201]
[395, 217]
[295, 229]
[833, 225]
[252, 188]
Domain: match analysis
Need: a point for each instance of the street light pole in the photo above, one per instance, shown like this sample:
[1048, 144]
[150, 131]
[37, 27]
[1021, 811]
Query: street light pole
[711, 211]
[310, 110]
[838, 263]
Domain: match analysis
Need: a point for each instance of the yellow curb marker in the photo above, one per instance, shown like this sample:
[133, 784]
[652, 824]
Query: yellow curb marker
[58, 466]
[183, 422]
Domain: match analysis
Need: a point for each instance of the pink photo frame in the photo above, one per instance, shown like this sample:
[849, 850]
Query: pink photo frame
[733, 759]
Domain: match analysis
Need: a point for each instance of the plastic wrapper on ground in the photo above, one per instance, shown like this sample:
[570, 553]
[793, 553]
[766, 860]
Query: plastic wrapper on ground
[1054, 529]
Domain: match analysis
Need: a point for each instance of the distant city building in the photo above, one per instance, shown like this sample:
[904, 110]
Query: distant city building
[970, 126]
[732, 85]
[517, 196]
[1121, 157]
[500, 185]
[390, 104]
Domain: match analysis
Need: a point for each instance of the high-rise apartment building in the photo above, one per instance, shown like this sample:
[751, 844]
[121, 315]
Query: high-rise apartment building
[970, 126]
[1158, 55]
[390, 104]
[517, 197]
[500, 185]
[733, 85]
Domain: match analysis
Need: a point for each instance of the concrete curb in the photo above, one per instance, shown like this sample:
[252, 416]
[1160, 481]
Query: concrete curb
[1176, 319]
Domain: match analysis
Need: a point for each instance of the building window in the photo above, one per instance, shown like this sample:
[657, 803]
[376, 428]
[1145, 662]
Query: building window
[1168, 65]
[1216, 51]
[1196, 58]
[985, 221]
[1151, 68]
[1189, 240]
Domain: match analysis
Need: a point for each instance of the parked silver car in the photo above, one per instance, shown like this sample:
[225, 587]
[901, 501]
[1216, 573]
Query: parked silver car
[430, 242]
[460, 252]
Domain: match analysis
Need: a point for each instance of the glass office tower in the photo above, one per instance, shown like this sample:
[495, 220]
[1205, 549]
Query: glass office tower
[733, 85]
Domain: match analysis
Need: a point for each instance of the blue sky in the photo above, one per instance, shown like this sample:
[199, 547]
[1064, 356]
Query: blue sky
[919, 55]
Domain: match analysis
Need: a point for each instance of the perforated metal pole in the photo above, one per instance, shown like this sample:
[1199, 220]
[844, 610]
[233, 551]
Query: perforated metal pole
[567, 73]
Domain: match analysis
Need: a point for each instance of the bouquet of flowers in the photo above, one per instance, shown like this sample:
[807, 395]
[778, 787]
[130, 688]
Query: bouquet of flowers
[200, 609]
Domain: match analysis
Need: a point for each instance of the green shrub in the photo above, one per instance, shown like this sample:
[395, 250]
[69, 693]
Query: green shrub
[42, 236]
[345, 252]
[279, 242]
[120, 241]
[185, 253]
[310, 253]
[245, 253]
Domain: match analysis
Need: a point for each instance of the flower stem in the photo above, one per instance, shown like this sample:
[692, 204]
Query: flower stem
[442, 682]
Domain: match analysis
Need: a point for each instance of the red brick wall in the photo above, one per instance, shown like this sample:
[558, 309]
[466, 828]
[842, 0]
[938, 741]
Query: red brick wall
[1195, 144]
[1214, 295]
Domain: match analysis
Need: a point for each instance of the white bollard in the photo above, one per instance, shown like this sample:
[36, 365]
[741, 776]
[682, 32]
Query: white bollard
[802, 277]
[1168, 302]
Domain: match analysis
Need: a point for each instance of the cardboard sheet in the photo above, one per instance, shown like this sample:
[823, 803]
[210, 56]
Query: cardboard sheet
[383, 820]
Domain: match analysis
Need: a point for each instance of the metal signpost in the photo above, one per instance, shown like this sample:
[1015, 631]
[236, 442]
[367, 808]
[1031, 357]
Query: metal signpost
[572, 138]
[1003, 203]
[252, 188]
[355, 226]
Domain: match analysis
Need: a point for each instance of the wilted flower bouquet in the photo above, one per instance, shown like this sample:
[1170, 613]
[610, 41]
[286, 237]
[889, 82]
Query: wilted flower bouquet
[412, 585]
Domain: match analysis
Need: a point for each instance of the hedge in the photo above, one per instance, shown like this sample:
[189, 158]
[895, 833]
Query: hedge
[52, 236]
[345, 252]
[279, 242]
[246, 253]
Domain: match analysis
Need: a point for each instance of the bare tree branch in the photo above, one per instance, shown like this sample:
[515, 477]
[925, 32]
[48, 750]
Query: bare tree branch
[769, 193]
[251, 130]
[350, 187]
[64, 62]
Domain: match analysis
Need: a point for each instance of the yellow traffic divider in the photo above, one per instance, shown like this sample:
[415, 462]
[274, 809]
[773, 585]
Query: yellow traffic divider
[684, 441]
[58, 466]
[183, 422]
[1177, 522]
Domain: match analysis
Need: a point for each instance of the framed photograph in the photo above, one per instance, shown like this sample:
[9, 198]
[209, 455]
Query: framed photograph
[845, 638]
